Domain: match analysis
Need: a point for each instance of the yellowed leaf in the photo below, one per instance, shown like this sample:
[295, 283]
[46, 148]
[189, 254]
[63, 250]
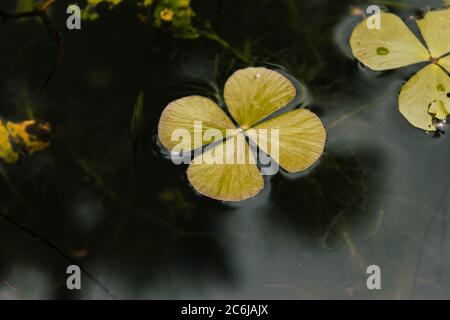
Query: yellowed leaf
[7, 152]
[435, 29]
[252, 94]
[424, 96]
[25, 137]
[391, 47]
[29, 136]
[438, 109]
[301, 139]
[192, 114]
[227, 171]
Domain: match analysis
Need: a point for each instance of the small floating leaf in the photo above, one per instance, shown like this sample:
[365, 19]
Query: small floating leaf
[403, 46]
[252, 94]
[301, 139]
[227, 170]
[435, 29]
[184, 113]
[420, 98]
[227, 182]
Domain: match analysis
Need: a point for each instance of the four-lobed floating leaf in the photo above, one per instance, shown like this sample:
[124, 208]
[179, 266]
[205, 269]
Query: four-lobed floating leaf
[426, 96]
[251, 95]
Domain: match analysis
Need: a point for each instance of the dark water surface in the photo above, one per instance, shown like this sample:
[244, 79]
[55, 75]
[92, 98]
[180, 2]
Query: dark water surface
[379, 195]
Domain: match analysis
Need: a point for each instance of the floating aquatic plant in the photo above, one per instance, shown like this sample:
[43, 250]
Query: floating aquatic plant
[426, 96]
[25, 137]
[251, 95]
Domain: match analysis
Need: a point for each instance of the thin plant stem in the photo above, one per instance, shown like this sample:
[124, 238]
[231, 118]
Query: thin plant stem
[41, 13]
[213, 36]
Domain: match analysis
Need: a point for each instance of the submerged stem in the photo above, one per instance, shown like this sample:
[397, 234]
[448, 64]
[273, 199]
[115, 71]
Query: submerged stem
[213, 36]
[41, 13]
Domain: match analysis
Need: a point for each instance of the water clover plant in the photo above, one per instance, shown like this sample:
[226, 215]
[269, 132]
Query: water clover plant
[25, 137]
[425, 98]
[251, 96]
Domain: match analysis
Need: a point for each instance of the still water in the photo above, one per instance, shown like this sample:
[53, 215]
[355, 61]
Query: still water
[379, 195]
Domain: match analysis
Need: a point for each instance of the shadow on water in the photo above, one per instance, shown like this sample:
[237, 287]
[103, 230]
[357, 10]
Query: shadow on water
[336, 197]
[162, 231]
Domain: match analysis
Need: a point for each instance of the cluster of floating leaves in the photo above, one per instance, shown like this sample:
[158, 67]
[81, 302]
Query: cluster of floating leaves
[251, 95]
[425, 98]
[23, 138]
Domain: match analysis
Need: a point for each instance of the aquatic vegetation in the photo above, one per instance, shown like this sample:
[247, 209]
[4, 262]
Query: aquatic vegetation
[137, 124]
[425, 98]
[137, 117]
[90, 11]
[104, 195]
[25, 137]
[25, 5]
[178, 18]
[175, 15]
[251, 95]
